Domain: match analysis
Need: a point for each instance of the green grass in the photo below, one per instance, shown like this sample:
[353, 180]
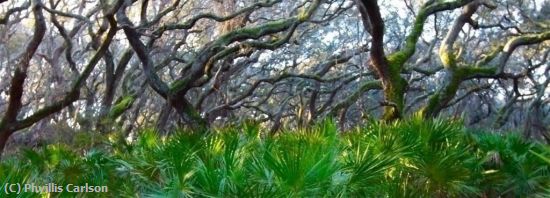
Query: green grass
[412, 158]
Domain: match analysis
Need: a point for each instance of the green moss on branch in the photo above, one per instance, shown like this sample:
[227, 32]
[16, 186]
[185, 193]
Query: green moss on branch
[121, 106]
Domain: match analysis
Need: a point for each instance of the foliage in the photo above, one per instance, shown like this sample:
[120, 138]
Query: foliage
[412, 158]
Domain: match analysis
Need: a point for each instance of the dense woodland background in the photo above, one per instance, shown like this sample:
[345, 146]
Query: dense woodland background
[119, 65]
[273, 98]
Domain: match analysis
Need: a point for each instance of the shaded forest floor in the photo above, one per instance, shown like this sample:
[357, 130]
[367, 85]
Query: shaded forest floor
[413, 158]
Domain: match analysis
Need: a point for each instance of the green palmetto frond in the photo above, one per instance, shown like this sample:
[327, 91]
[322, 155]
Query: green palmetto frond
[304, 162]
[516, 169]
[13, 172]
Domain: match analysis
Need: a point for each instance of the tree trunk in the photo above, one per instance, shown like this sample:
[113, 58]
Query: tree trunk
[163, 117]
[534, 127]
[394, 94]
[4, 137]
[439, 100]
[389, 72]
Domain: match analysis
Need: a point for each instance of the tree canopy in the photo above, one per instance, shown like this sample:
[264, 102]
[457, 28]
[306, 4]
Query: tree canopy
[124, 64]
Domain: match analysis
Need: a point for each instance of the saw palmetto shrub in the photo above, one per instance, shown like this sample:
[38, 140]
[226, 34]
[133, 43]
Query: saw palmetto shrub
[410, 158]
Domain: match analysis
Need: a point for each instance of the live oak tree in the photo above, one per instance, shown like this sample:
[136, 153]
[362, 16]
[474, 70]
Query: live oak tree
[11, 121]
[389, 68]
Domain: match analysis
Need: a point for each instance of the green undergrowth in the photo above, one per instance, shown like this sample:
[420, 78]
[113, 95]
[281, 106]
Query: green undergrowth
[412, 158]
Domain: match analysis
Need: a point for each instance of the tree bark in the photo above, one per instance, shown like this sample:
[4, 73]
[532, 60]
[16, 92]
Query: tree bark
[19, 76]
[393, 85]
[4, 137]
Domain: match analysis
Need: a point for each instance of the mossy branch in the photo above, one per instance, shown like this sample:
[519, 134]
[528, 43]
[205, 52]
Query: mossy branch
[124, 103]
[192, 21]
[399, 58]
[217, 49]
